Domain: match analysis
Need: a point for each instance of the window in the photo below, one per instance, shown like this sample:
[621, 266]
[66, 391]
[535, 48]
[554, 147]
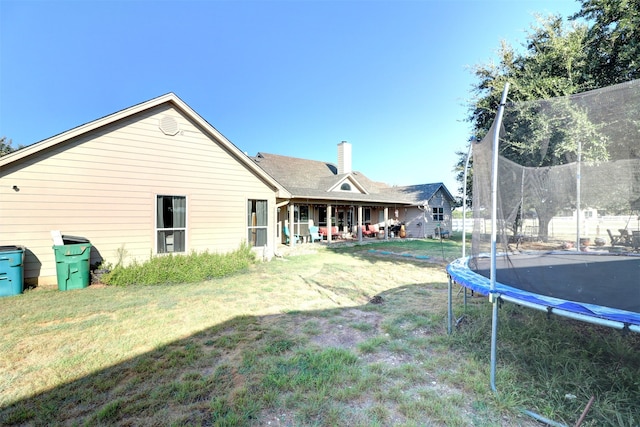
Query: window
[345, 187]
[367, 214]
[257, 220]
[322, 216]
[438, 214]
[301, 213]
[171, 223]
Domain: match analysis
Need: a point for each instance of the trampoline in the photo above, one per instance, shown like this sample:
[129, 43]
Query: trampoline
[549, 174]
[599, 288]
[562, 191]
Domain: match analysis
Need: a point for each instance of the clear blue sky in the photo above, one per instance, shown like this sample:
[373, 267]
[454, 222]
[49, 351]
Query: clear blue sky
[284, 77]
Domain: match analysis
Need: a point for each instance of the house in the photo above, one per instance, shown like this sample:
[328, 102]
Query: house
[333, 195]
[156, 178]
[152, 179]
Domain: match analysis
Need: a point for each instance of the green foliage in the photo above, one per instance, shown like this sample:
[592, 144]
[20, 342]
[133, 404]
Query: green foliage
[6, 146]
[109, 412]
[312, 370]
[559, 125]
[559, 60]
[613, 40]
[169, 269]
[551, 66]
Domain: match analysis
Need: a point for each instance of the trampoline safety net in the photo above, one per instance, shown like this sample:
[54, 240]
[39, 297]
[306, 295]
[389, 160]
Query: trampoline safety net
[568, 175]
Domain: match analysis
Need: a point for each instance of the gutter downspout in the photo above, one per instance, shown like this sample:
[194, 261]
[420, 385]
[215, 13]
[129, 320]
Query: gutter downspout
[275, 236]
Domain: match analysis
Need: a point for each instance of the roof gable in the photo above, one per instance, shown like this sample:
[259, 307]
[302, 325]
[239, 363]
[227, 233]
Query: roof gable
[170, 98]
[348, 183]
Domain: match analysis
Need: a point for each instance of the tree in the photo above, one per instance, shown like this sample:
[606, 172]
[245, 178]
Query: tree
[613, 40]
[547, 133]
[459, 169]
[560, 60]
[550, 67]
[6, 146]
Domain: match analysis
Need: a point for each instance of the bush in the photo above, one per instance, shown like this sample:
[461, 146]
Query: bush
[191, 268]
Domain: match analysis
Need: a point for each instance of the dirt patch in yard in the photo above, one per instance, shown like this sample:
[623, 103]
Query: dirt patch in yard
[351, 328]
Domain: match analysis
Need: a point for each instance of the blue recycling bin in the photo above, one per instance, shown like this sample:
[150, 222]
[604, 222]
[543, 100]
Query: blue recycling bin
[11, 270]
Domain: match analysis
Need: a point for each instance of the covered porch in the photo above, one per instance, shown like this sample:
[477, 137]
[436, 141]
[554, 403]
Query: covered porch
[336, 220]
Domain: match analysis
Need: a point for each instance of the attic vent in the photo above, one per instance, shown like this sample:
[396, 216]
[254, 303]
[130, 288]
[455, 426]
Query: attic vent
[169, 125]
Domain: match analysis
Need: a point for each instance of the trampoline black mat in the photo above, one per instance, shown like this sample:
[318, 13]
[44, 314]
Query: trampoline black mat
[601, 279]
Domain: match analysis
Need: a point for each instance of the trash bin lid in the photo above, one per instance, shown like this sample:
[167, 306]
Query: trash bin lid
[72, 240]
[10, 248]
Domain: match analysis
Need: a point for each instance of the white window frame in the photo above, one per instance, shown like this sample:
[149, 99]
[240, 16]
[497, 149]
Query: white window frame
[159, 230]
[257, 227]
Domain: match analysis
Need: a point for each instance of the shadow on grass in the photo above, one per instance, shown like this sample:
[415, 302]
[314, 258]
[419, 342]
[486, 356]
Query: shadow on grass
[235, 373]
[347, 366]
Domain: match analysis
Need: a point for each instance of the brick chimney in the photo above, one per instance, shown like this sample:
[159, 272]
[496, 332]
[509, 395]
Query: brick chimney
[344, 157]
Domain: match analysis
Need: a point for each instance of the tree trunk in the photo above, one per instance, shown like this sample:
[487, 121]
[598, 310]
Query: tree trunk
[544, 218]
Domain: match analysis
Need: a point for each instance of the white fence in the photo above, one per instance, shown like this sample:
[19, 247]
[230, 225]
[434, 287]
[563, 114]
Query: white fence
[456, 224]
[565, 227]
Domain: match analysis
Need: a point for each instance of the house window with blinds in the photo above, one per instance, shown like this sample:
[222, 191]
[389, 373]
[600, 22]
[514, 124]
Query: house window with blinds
[257, 216]
[171, 223]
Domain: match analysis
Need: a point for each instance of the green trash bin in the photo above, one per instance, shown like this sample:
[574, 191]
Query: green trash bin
[72, 265]
[11, 270]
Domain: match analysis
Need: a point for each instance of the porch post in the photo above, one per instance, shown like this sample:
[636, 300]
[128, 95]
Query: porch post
[292, 240]
[328, 223]
[275, 232]
[386, 223]
[359, 223]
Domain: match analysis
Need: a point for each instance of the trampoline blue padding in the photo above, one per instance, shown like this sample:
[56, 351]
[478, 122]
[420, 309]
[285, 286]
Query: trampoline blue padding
[599, 286]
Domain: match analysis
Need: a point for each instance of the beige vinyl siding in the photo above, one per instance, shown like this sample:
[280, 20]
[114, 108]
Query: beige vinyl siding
[415, 222]
[103, 186]
[420, 224]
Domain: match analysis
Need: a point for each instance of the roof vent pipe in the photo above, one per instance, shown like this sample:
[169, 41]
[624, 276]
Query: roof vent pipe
[344, 157]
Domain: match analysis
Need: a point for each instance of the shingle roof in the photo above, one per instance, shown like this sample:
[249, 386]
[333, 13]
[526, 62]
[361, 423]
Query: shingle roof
[312, 179]
[421, 193]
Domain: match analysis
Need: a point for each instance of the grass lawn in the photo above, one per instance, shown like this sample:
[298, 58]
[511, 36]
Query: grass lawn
[348, 335]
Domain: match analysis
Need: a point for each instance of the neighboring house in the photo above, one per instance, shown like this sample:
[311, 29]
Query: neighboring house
[330, 195]
[154, 178]
[429, 212]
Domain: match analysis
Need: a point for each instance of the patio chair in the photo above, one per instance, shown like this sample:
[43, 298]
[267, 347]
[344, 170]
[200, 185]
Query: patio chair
[287, 236]
[314, 233]
[614, 239]
[635, 240]
[371, 231]
[625, 237]
[324, 232]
